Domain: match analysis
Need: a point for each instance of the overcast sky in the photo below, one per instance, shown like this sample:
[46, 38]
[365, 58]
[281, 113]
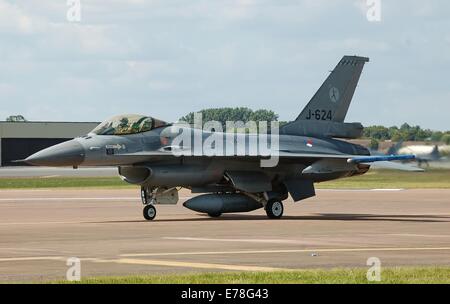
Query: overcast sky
[166, 58]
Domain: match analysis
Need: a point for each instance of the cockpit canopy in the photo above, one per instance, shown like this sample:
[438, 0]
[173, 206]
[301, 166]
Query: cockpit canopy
[128, 124]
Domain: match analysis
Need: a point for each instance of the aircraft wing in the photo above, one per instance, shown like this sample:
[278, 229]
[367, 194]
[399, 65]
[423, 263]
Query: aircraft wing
[378, 161]
[385, 162]
[281, 154]
[379, 158]
[188, 153]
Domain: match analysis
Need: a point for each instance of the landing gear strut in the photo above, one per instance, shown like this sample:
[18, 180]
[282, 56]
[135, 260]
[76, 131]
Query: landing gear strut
[274, 209]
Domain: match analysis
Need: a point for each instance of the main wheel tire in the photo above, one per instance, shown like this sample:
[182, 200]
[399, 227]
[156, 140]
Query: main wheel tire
[215, 214]
[274, 209]
[149, 212]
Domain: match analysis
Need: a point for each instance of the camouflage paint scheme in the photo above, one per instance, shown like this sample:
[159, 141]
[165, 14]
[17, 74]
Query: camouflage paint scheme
[308, 152]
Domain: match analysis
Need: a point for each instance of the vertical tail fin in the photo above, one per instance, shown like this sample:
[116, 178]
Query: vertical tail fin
[435, 152]
[331, 101]
[395, 148]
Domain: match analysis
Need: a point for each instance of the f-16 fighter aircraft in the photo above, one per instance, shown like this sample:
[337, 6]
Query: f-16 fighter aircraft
[149, 152]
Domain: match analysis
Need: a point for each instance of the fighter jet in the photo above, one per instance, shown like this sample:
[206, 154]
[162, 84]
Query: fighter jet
[424, 154]
[148, 153]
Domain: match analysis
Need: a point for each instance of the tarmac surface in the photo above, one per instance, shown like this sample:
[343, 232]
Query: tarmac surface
[57, 172]
[41, 229]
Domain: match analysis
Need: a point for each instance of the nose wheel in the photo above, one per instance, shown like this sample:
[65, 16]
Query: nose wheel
[149, 212]
[274, 209]
[147, 198]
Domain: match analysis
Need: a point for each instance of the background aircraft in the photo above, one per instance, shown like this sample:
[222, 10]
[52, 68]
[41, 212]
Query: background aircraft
[423, 154]
[147, 153]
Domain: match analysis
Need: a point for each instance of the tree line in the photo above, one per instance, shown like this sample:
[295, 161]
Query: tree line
[223, 115]
[405, 132]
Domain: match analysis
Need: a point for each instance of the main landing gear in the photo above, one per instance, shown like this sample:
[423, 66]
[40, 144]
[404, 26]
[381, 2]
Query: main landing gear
[272, 202]
[152, 196]
[149, 212]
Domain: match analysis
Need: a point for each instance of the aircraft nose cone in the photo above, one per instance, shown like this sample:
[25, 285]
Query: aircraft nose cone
[69, 153]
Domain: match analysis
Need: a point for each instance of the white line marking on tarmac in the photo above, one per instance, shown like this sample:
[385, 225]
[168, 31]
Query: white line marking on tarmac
[421, 235]
[40, 258]
[126, 260]
[191, 265]
[151, 263]
[286, 251]
[94, 222]
[28, 190]
[363, 249]
[31, 199]
[25, 249]
[274, 241]
[361, 190]
[39, 223]
[269, 241]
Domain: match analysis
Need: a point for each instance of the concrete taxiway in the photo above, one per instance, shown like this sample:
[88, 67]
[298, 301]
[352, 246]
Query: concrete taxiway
[57, 172]
[41, 229]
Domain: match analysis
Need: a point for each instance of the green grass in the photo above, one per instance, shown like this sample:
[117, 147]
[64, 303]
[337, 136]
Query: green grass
[398, 275]
[431, 179]
[63, 182]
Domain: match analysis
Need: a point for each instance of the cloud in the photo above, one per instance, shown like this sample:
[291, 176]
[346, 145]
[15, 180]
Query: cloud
[14, 20]
[160, 85]
[7, 90]
[170, 57]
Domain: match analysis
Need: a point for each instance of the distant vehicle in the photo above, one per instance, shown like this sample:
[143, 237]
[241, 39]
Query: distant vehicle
[147, 154]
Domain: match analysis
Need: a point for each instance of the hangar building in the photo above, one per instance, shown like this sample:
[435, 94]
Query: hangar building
[18, 140]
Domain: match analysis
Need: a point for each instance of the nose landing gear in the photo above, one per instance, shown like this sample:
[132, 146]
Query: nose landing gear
[152, 196]
[148, 199]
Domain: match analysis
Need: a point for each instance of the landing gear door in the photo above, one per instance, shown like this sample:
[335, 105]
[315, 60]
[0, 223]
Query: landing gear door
[165, 196]
[251, 182]
[300, 189]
